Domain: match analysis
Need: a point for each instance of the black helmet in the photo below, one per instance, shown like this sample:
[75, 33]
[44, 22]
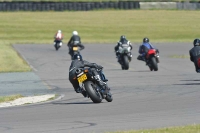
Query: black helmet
[77, 57]
[196, 42]
[122, 37]
[146, 39]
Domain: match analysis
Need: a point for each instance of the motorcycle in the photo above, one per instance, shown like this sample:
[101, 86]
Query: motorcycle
[89, 84]
[74, 49]
[152, 59]
[57, 45]
[125, 56]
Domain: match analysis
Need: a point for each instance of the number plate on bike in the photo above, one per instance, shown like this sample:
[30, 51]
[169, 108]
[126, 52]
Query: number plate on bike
[75, 48]
[82, 78]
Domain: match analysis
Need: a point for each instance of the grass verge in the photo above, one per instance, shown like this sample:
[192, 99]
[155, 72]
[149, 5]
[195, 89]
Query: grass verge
[182, 129]
[9, 98]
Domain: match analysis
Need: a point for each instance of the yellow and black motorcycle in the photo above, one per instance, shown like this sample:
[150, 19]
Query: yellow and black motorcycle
[89, 84]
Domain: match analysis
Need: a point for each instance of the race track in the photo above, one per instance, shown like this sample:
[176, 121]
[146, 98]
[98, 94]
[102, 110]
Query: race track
[142, 99]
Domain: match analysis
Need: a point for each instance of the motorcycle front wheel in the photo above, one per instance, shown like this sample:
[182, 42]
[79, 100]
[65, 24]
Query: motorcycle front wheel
[126, 62]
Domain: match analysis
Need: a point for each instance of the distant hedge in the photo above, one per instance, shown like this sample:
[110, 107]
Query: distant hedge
[86, 6]
[62, 6]
[98, 0]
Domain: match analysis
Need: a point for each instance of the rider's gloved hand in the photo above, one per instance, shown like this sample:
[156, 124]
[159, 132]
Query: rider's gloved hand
[100, 67]
[117, 53]
[157, 50]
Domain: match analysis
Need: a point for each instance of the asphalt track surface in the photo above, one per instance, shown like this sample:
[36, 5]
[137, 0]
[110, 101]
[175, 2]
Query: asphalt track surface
[142, 99]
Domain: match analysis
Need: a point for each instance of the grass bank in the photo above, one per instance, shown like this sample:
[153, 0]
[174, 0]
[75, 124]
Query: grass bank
[182, 129]
[93, 27]
[9, 98]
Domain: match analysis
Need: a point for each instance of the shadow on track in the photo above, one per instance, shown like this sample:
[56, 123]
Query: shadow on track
[188, 84]
[142, 71]
[114, 69]
[65, 102]
[189, 80]
[57, 103]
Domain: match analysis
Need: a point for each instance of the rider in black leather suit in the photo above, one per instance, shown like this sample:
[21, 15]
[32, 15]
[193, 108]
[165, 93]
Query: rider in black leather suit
[195, 54]
[75, 40]
[79, 63]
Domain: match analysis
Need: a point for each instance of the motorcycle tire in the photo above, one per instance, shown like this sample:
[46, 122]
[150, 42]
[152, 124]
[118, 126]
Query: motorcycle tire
[154, 64]
[126, 63]
[57, 47]
[122, 67]
[151, 69]
[109, 97]
[94, 95]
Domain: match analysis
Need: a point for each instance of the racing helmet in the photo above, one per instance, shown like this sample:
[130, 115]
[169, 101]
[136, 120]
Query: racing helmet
[122, 37]
[75, 33]
[59, 31]
[145, 40]
[77, 57]
[196, 42]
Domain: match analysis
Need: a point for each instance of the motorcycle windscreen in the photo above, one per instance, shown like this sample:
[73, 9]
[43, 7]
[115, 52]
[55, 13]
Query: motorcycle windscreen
[124, 49]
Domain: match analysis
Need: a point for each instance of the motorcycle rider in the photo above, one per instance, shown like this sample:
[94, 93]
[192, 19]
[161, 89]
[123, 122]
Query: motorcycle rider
[144, 48]
[79, 63]
[58, 37]
[122, 40]
[195, 54]
[75, 40]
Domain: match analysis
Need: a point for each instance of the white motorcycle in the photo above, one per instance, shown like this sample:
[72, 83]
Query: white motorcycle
[125, 56]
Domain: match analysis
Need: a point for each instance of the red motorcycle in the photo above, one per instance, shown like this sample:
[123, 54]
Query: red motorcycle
[152, 59]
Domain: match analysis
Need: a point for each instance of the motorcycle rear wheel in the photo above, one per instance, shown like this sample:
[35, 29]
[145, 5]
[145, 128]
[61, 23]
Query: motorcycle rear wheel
[94, 95]
[57, 46]
[154, 64]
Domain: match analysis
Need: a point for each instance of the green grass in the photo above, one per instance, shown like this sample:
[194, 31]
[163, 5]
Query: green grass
[182, 129]
[104, 26]
[9, 98]
[53, 98]
[10, 61]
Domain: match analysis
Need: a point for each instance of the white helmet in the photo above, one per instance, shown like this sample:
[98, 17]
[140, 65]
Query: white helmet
[59, 31]
[75, 33]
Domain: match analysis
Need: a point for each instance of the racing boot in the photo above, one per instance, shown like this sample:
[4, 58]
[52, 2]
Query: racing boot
[102, 84]
[80, 90]
[84, 93]
[130, 56]
[139, 57]
[198, 70]
[119, 60]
